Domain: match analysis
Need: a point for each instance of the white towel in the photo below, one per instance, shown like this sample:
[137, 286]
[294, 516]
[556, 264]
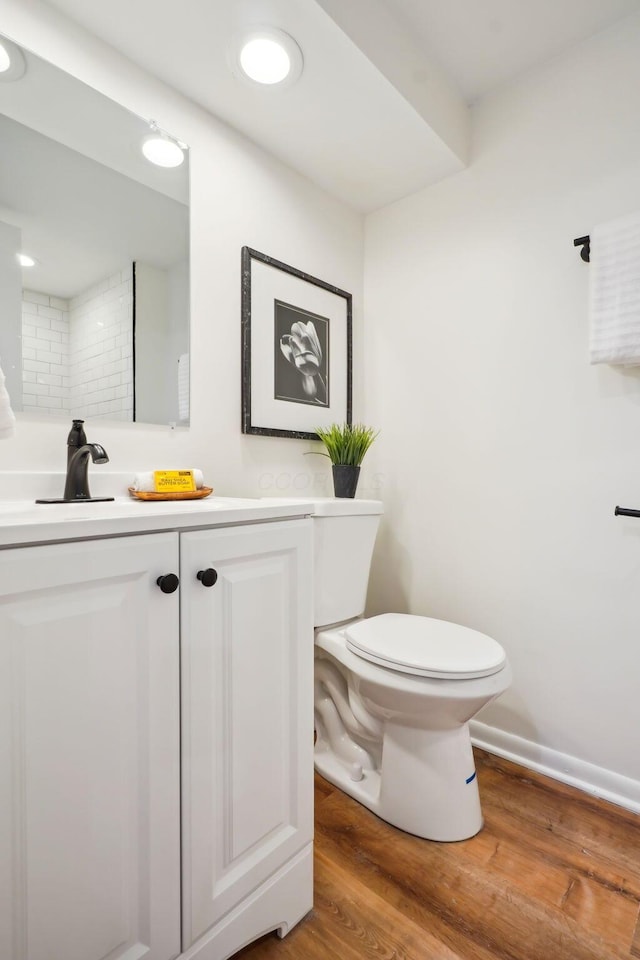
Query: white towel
[183, 386]
[614, 292]
[7, 418]
[144, 482]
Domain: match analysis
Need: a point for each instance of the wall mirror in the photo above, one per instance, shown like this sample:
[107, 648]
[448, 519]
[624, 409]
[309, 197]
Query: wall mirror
[98, 326]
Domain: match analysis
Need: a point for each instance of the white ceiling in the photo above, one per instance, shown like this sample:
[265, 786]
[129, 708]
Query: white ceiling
[484, 43]
[381, 108]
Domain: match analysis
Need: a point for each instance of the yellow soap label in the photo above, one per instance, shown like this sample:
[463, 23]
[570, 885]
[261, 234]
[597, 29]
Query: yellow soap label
[173, 481]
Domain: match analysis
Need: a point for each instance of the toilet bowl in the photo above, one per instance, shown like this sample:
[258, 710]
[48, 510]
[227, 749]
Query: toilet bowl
[395, 735]
[394, 694]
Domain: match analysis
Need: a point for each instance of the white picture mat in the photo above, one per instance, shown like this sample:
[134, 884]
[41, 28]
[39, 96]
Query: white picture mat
[267, 285]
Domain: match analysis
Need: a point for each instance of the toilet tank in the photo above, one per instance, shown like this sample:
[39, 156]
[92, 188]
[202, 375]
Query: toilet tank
[344, 533]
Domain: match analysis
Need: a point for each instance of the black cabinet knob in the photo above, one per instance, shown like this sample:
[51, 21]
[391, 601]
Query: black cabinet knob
[207, 577]
[169, 583]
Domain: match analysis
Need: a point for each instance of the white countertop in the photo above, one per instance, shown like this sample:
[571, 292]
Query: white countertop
[24, 521]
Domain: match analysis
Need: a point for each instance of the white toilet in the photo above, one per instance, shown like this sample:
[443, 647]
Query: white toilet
[394, 693]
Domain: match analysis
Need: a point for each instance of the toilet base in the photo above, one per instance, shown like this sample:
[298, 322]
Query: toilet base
[427, 785]
[400, 744]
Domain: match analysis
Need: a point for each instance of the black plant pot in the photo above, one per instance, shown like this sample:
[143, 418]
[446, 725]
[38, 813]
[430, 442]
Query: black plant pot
[345, 479]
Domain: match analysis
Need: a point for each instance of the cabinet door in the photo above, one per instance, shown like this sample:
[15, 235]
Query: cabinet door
[89, 751]
[247, 682]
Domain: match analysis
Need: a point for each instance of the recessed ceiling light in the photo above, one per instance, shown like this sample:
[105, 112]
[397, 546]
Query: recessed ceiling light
[25, 260]
[12, 62]
[162, 151]
[270, 57]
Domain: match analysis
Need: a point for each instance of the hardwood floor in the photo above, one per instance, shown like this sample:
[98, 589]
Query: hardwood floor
[553, 875]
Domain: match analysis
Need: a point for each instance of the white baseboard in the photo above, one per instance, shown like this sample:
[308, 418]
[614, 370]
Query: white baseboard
[595, 780]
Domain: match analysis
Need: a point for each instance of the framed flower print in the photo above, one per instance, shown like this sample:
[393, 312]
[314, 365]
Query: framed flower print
[296, 350]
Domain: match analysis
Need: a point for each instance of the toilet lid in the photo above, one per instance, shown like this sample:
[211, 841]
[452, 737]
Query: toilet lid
[425, 647]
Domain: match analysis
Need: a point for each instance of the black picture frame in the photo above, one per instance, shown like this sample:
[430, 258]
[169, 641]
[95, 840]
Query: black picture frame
[296, 350]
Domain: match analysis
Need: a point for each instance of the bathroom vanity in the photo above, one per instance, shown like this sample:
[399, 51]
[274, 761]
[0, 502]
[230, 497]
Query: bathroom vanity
[156, 727]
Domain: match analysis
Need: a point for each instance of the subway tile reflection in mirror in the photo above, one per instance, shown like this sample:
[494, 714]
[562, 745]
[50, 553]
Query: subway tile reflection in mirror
[98, 327]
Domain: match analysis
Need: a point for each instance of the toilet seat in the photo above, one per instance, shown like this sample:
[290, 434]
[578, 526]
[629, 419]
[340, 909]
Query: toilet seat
[425, 647]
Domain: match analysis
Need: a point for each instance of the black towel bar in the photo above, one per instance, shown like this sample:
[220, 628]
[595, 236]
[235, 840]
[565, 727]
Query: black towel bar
[625, 512]
[585, 243]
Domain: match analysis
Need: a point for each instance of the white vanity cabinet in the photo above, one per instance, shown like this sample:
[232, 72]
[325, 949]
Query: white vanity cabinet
[247, 726]
[89, 751]
[101, 858]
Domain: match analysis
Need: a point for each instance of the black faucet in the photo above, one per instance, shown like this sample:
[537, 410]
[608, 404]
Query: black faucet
[77, 485]
[76, 488]
[77, 438]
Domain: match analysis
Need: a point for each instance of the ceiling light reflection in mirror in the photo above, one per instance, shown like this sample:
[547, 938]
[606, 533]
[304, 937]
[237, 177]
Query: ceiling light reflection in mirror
[163, 149]
[98, 327]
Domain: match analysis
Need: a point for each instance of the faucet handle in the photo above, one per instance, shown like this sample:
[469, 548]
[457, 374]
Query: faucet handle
[77, 437]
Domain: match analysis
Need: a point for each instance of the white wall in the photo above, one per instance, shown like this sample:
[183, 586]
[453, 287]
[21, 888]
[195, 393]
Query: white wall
[503, 453]
[152, 338]
[45, 354]
[178, 282]
[238, 196]
[101, 349]
[77, 355]
[10, 315]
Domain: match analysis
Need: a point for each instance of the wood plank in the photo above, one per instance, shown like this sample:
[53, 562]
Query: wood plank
[369, 925]
[439, 888]
[322, 788]
[635, 944]
[595, 838]
[553, 875]
[603, 912]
